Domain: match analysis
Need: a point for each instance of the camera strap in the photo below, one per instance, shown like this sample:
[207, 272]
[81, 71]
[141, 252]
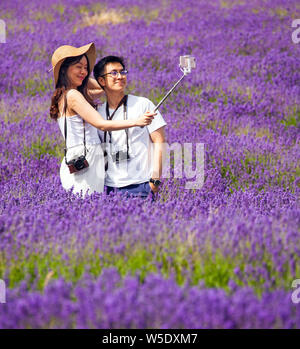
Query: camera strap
[84, 142]
[110, 117]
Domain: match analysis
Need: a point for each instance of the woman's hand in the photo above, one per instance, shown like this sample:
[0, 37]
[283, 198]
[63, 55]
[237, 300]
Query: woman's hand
[145, 119]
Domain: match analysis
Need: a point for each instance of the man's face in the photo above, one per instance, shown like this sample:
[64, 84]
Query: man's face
[113, 83]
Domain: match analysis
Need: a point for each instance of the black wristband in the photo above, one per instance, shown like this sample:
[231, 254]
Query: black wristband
[156, 182]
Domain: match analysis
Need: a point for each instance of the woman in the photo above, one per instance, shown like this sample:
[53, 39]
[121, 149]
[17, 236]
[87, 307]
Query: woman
[73, 108]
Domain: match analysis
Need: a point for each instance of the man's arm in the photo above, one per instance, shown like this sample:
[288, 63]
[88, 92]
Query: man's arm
[158, 138]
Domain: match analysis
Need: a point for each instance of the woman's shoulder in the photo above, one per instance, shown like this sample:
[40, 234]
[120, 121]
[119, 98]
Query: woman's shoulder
[74, 97]
[68, 99]
[73, 93]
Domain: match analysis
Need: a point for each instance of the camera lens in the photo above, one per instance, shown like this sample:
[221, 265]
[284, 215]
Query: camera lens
[79, 164]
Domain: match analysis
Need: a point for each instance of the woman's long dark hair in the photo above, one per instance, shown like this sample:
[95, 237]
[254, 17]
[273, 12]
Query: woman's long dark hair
[63, 84]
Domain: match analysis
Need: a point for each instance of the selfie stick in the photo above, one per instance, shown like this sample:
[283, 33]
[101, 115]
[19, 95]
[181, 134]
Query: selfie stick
[186, 69]
[168, 94]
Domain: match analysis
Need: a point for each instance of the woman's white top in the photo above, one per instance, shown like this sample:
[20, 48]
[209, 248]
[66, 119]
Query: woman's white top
[90, 179]
[75, 131]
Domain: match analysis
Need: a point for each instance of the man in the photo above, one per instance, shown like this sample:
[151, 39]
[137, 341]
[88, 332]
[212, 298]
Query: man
[134, 156]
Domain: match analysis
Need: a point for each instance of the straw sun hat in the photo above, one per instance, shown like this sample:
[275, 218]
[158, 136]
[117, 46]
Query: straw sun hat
[67, 51]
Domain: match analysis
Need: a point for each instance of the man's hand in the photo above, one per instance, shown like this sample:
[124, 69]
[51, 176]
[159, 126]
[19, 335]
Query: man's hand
[145, 119]
[158, 139]
[154, 188]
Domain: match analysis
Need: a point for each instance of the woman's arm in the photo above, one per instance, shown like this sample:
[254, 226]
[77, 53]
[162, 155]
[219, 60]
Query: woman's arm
[94, 89]
[80, 106]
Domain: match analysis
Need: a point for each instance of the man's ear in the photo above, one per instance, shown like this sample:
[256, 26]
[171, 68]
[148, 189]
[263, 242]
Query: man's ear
[101, 81]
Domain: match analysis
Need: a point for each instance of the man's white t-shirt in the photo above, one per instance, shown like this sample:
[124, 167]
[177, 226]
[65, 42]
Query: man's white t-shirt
[140, 166]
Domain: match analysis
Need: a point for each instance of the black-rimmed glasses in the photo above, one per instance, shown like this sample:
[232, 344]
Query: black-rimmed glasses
[115, 73]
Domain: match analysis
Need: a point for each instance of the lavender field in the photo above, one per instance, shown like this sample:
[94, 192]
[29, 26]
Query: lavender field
[222, 256]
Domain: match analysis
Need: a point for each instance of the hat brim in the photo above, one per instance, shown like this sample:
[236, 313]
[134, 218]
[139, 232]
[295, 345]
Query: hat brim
[67, 51]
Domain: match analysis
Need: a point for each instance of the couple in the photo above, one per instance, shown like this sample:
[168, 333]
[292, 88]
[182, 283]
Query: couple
[131, 133]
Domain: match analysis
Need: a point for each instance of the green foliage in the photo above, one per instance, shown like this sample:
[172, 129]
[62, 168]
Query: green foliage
[216, 271]
[228, 173]
[36, 86]
[39, 148]
[182, 260]
[140, 261]
[60, 8]
[292, 119]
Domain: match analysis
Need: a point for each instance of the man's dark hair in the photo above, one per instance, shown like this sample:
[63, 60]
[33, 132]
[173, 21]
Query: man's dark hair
[100, 66]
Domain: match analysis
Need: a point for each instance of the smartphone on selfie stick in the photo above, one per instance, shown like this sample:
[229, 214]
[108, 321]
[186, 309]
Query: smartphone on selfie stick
[186, 64]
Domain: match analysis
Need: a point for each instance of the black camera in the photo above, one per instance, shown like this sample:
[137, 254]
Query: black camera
[120, 156]
[77, 164]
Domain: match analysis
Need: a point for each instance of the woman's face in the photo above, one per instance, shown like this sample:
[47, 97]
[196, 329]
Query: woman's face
[77, 72]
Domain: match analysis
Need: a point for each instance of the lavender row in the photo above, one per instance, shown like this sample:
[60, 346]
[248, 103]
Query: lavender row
[252, 37]
[113, 302]
[211, 236]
